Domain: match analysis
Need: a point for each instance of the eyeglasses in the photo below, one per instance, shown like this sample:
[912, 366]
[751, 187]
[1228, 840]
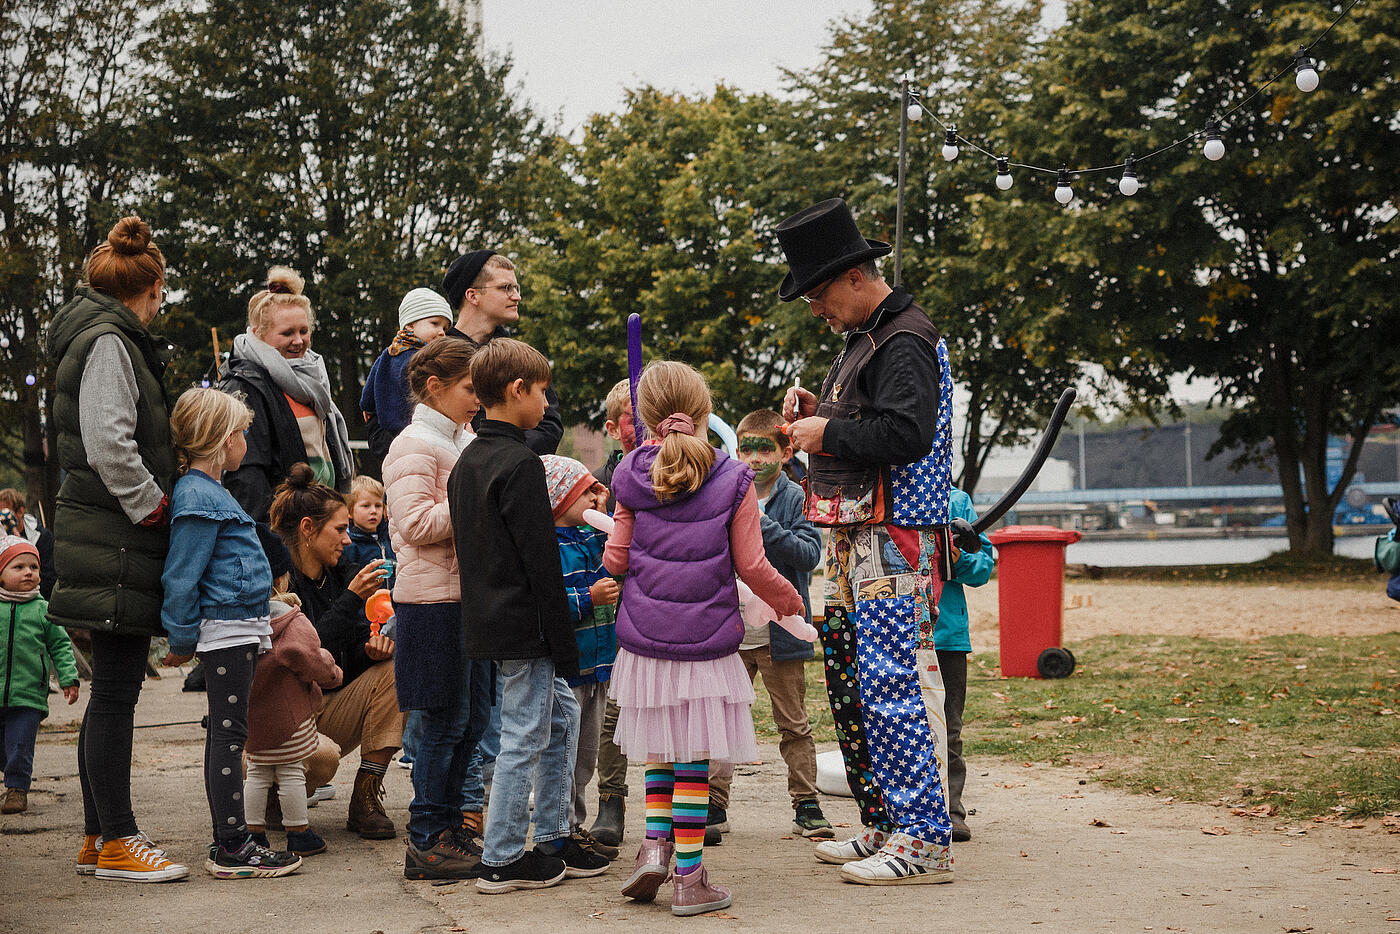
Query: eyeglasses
[509, 288]
[813, 299]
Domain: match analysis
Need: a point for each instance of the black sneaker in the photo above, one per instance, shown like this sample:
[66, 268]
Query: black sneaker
[580, 861]
[250, 861]
[533, 870]
[811, 823]
[717, 818]
[447, 858]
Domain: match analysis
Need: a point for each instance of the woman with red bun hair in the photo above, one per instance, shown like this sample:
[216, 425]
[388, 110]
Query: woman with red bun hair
[112, 527]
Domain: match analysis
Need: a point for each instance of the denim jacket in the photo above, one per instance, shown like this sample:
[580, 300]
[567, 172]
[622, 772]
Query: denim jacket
[216, 568]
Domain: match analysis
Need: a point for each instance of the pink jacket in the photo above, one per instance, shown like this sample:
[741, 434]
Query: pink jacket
[415, 491]
[288, 680]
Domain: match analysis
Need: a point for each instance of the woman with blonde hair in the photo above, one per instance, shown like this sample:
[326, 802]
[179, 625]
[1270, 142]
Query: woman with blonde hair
[295, 419]
[111, 525]
[217, 584]
[687, 519]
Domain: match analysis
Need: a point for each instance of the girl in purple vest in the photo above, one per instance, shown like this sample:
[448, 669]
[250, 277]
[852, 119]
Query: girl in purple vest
[687, 520]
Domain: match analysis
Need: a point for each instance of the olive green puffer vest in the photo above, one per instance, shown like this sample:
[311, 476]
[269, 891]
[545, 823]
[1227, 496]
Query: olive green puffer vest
[108, 567]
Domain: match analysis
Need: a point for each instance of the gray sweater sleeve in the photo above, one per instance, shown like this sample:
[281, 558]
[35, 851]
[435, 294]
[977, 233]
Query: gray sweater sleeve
[107, 399]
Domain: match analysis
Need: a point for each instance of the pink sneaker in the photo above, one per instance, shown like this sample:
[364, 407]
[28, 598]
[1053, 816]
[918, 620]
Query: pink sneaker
[653, 868]
[694, 895]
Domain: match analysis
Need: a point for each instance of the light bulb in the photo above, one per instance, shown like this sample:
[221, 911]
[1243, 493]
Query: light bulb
[1063, 193]
[1128, 184]
[1307, 71]
[29, 380]
[4, 343]
[950, 143]
[913, 111]
[1004, 179]
[1214, 149]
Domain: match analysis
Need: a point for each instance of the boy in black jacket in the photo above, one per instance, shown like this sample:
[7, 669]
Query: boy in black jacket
[515, 612]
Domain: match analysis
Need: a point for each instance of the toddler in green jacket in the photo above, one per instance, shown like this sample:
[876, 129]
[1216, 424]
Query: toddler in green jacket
[28, 642]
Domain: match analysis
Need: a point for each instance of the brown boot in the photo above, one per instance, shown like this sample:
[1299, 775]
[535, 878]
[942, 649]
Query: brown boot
[367, 817]
[473, 824]
[16, 800]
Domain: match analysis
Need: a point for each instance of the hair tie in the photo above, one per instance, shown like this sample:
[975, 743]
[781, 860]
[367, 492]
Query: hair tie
[676, 421]
[279, 288]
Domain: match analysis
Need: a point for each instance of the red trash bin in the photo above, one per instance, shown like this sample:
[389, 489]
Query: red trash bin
[1031, 598]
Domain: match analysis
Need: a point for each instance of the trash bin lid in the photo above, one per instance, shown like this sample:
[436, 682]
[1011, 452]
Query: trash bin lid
[1016, 534]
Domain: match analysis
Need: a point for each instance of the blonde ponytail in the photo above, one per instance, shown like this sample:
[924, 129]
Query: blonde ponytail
[667, 389]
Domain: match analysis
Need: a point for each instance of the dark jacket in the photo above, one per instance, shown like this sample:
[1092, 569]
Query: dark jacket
[606, 474]
[794, 547]
[513, 604]
[339, 617]
[385, 400]
[274, 440]
[108, 567]
[544, 438]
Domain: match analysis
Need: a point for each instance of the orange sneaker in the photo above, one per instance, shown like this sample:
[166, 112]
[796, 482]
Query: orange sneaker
[87, 856]
[130, 859]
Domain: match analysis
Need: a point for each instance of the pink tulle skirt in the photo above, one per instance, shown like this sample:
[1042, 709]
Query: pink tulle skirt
[673, 711]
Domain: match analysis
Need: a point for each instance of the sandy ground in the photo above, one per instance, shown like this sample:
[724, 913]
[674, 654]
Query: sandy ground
[1042, 858]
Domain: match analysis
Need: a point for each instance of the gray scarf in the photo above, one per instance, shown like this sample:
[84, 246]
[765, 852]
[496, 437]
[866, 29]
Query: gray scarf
[304, 379]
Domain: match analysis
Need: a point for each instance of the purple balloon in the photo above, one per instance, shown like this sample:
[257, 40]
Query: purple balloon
[634, 372]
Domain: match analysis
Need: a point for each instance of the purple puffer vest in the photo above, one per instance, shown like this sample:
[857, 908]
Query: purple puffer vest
[679, 601]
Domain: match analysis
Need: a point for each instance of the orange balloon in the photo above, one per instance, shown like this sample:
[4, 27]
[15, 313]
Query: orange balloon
[379, 607]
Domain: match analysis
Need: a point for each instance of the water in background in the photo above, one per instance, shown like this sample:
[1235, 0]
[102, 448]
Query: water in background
[1111, 554]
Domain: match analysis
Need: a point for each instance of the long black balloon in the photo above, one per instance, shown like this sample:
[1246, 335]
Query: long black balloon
[1052, 432]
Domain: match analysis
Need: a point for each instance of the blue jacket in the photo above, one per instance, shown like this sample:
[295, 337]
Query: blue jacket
[216, 568]
[950, 632]
[595, 627]
[385, 395]
[794, 547]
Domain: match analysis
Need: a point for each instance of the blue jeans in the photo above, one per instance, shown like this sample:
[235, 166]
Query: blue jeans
[445, 746]
[539, 741]
[412, 734]
[19, 727]
[482, 768]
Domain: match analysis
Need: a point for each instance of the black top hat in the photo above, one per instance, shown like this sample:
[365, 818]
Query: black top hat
[821, 242]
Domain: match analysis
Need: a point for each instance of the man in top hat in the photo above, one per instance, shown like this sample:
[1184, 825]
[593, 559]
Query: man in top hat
[482, 288]
[880, 442]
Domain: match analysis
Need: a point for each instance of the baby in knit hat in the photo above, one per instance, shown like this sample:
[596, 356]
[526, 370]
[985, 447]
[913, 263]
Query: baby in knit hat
[592, 596]
[27, 644]
[423, 316]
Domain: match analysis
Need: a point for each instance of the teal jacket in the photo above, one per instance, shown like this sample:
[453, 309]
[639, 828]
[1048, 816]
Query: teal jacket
[973, 570]
[28, 642]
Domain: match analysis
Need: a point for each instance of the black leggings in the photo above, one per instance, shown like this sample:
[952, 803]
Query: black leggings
[229, 678]
[104, 742]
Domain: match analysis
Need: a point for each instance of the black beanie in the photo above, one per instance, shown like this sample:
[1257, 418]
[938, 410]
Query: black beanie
[461, 274]
[279, 558]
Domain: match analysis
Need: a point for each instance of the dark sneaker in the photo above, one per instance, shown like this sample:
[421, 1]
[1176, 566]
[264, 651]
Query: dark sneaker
[717, 818]
[533, 870]
[961, 832]
[261, 840]
[448, 858]
[305, 842]
[712, 836]
[811, 823]
[249, 861]
[586, 839]
[580, 861]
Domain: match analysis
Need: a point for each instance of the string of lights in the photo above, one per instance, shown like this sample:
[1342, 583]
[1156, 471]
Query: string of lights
[1305, 76]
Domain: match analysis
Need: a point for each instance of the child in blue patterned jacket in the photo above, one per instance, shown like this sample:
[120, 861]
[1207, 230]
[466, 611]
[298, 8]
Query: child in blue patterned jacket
[592, 594]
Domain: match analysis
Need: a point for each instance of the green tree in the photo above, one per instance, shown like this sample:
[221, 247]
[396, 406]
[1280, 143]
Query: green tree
[974, 54]
[667, 209]
[362, 142]
[1270, 271]
[68, 169]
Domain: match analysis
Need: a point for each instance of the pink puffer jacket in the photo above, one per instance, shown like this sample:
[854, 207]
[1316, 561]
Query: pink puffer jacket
[415, 491]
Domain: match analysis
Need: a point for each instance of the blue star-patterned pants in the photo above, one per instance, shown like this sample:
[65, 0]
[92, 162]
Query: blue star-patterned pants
[879, 595]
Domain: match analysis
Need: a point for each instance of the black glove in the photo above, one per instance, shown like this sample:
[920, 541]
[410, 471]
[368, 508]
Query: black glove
[965, 537]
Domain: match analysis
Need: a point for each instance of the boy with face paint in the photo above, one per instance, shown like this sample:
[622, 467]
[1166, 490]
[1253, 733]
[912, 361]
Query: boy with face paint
[793, 546]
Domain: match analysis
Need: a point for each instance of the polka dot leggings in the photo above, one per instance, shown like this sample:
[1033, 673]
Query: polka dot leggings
[228, 680]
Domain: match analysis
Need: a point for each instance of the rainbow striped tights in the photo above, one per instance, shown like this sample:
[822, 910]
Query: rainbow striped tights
[678, 799]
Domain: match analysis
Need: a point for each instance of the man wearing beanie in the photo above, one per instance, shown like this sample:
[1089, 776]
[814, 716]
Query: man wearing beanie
[423, 316]
[592, 596]
[482, 286]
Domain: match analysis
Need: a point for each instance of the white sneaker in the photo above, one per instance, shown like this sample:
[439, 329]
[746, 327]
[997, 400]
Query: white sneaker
[885, 868]
[323, 793]
[867, 843]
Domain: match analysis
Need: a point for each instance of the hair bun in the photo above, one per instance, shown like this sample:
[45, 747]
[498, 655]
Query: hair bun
[301, 476]
[285, 280]
[130, 236]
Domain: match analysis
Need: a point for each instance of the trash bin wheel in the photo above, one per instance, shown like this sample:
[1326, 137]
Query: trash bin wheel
[1055, 663]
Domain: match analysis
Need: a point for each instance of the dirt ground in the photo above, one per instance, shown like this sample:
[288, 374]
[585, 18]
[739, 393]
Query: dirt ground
[1049, 854]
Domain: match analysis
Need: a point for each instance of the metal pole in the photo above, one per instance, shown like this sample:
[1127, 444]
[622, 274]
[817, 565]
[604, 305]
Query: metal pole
[1188, 453]
[1083, 485]
[899, 189]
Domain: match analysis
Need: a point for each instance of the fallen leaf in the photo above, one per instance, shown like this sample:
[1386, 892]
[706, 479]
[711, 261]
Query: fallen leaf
[1072, 719]
[1096, 765]
[1354, 825]
[1117, 831]
[1308, 755]
[1216, 831]
[1025, 854]
[1099, 822]
[723, 914]
[1001, 697]
[1076, 795]
[1386, 872]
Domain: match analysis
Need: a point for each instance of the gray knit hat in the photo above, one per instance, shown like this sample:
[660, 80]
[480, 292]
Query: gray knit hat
[422, 303]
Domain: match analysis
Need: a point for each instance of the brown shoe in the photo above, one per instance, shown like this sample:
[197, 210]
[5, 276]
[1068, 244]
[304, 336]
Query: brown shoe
[16, 800]
[367, 817]
[473, 824]
[693, 894]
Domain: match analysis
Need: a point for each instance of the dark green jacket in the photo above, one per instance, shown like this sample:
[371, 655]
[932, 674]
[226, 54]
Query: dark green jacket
[108, 568]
